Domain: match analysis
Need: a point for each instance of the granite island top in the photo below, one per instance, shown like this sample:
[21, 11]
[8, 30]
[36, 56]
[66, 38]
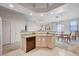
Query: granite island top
[31, 34]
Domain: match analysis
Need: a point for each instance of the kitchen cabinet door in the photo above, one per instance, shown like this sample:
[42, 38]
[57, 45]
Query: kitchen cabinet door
[43, 41]
[51, 42]
[38, 42]
[30, 43]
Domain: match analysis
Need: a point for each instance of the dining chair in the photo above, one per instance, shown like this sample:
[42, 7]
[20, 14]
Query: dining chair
[73, 35]
[60, 36]
[67, 37]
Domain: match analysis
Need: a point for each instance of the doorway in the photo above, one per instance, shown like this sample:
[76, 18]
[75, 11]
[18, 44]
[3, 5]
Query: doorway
[6, 26]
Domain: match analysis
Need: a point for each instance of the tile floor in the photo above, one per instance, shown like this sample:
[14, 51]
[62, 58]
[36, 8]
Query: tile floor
[42, 52]
[61, 49]
[72, 46]
[10, 47]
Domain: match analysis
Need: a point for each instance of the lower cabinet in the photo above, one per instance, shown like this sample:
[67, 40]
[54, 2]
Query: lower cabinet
[41, 41]
[51, 42]
[30, 43]
[45, 41]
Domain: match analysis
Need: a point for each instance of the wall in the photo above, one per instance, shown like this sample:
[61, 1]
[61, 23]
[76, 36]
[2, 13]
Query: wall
[0, 36]
[13, 23]
[78, 24]
[16, 27]
[31, 26]
[65, 25]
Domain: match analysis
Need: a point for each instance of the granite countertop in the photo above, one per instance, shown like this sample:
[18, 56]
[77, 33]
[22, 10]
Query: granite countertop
[26, 34]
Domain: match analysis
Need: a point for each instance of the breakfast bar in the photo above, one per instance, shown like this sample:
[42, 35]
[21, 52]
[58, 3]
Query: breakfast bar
[37, 40]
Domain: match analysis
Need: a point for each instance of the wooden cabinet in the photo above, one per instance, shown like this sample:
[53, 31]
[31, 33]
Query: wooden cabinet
[28, 44]
[41, 41]
[45, 41]
[31, 42]
[51, 42]
[38, 42]
[23, 46]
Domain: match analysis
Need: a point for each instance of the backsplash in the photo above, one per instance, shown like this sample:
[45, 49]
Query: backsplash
[46, 27]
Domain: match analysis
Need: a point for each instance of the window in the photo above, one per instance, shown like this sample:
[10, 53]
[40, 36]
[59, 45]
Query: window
[73, 26]
[58, 28]
[59, 25]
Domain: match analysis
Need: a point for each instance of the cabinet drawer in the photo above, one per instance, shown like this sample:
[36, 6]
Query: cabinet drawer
[38, 39]
[38, 44]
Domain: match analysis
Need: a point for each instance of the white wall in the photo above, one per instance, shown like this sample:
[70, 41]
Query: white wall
[13, 24]
[65, 25]
[32, 26]
[16, 27]
[0, 36]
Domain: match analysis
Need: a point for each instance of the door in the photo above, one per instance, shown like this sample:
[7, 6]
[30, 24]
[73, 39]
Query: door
[38, 41]
[43, 41]
[51, 41]
[6, 32]
[30, 43]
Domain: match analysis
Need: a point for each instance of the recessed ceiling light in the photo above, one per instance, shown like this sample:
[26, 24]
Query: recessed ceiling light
[52, 13]
[31, 14]
[11, 6]
[41, 15]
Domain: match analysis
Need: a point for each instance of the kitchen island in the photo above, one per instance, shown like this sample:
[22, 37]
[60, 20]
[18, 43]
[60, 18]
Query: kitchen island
[37, 40]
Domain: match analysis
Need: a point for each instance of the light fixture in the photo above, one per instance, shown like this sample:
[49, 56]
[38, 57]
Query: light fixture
[31, 14]
[51, 13]
[41, 15]
[11, 6]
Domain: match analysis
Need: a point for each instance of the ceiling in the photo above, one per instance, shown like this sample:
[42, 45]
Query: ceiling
[3, 9]
[6, 13]
[41, 7]
[66, 11]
